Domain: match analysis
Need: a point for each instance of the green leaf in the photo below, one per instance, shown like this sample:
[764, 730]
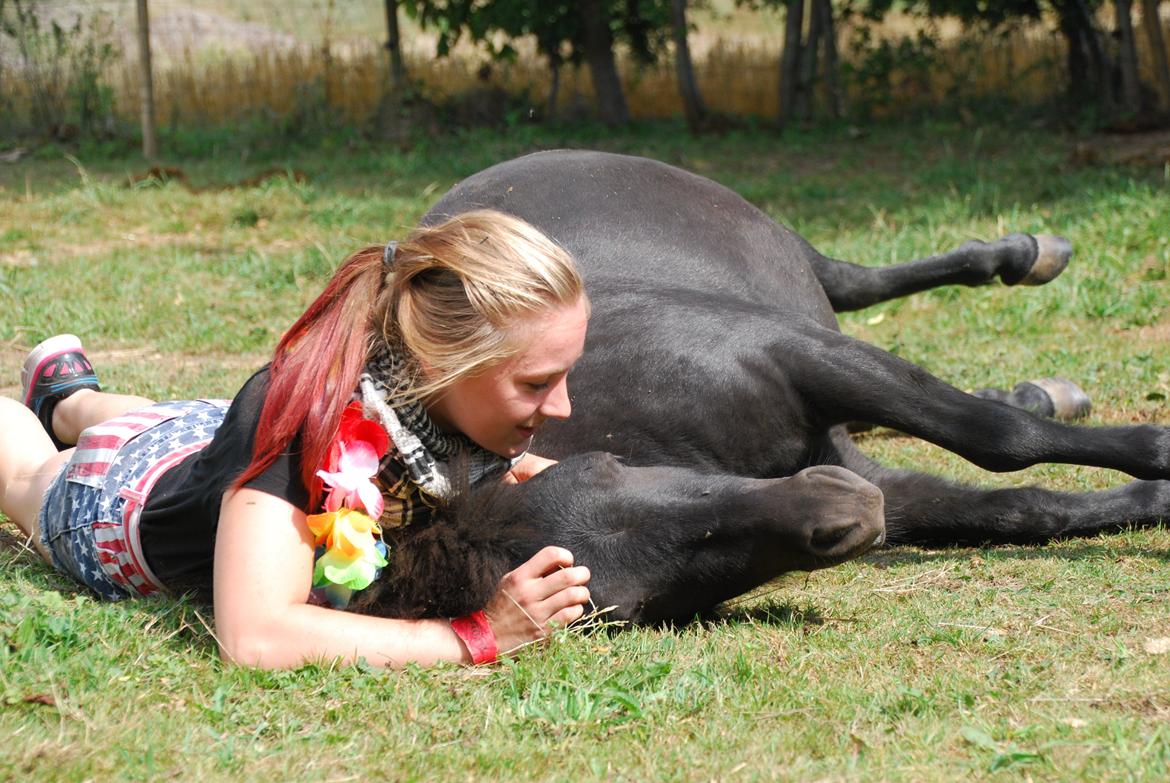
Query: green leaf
[979, 738]
[1017, 757]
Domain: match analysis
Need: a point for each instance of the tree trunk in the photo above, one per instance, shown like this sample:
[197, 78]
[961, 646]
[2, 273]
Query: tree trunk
[1097, 57]
[1153, 27]
[597, 39]
[809, 53]
[394, 47]
[688, 88]
[146, 76]
[829, 31]
[327, 55]
[1077, 63]
[1088, 70]
[1131, 95]
[790, 60]
[554, 89]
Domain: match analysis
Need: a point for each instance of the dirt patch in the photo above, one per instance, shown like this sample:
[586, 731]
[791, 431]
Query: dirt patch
[190, 241]
[1146, 706]
[1138, 149]
[20, 258]
[137, 238]
[1153, 333]
[169, 366]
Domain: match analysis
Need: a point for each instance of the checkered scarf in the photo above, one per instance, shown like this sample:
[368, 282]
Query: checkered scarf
[419, 467]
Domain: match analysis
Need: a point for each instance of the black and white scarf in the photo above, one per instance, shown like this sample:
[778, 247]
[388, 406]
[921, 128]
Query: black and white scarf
[424, 450]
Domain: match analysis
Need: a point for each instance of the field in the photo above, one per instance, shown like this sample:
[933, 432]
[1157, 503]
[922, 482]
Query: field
[1041, 663]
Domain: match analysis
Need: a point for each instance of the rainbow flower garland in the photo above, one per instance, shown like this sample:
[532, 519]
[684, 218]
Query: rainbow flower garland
[347, 533]
[350, 553]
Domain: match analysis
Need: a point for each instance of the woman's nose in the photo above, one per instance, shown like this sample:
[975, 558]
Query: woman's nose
[556, 405]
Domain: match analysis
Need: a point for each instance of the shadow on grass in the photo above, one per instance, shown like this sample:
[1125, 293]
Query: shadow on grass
[1062, 549]
[772, 613]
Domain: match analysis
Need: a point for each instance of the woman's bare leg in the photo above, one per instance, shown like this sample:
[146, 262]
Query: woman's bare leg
[28, 463]
[86, 407]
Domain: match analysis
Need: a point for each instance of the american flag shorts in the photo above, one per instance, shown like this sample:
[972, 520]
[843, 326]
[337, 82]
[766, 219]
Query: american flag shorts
[89, 518]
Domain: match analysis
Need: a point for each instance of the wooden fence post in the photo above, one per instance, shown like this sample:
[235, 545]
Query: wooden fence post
[146, 76]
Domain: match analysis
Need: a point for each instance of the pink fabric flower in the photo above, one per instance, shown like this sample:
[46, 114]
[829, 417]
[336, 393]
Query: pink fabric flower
[350, 484]
[352, 462]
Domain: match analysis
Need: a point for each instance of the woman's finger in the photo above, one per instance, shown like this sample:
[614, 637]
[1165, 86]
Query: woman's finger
[547, 560]
[532, 465]
[551, 606]
[528, 466]
[540, 589]
[570, 614]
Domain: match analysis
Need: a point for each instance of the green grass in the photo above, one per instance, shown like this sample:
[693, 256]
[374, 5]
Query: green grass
[1004, 663]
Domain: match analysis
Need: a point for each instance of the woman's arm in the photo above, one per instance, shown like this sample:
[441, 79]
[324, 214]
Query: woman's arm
[263, 573]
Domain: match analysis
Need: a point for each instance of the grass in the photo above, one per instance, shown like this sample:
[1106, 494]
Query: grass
[998, 663]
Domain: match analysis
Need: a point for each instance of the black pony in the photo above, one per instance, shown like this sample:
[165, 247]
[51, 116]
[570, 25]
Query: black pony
[715, 368]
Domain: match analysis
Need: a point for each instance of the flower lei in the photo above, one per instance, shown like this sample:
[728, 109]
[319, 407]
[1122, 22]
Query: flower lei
[350, 552]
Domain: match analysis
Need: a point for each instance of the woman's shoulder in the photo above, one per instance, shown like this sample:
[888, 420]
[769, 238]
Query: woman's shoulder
[251, 395]
[256, 385]
[244, 413]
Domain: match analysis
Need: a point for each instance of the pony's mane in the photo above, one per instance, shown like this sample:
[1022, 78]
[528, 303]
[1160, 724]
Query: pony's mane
[452, 564]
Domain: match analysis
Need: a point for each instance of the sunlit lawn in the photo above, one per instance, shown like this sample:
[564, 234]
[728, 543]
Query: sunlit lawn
[1049, 663]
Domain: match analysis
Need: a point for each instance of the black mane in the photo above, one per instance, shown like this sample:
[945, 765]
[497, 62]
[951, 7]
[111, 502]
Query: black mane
[452, 564]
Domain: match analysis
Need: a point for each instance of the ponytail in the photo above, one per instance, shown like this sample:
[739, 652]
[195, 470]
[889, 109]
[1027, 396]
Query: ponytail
[315, 370]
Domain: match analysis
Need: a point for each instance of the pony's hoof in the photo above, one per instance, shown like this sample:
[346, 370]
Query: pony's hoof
[1069, 401]
[1053, 398]
[1052, 257]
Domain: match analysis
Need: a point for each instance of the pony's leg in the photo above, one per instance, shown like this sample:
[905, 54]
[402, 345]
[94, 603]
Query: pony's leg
[843, 379]
[1017, 259]
[925, 509]
[86, 407]
[28, 462]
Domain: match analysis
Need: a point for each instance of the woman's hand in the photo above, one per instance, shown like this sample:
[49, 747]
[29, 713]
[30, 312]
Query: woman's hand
[543, 593]
[528, 466]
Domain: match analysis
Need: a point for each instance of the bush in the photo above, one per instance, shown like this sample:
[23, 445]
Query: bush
[55, 85]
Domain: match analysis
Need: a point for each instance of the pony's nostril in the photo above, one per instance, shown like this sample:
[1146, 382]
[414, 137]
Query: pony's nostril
[829, 537]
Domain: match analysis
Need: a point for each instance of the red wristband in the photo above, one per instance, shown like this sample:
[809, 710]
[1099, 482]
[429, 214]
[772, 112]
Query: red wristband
[477, 634]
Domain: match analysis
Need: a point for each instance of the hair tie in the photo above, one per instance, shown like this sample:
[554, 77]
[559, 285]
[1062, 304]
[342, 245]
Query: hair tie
[388, 255]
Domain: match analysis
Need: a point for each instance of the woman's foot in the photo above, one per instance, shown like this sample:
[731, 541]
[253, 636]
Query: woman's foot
[55, 369]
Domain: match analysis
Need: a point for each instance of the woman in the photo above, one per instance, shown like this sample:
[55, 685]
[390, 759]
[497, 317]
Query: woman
[456, 341]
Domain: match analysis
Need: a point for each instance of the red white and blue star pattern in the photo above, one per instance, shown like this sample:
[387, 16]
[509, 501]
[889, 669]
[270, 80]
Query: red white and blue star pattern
[115, 466]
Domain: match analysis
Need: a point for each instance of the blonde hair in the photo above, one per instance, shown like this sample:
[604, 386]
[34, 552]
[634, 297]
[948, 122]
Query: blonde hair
[457, 292]
[452, 302]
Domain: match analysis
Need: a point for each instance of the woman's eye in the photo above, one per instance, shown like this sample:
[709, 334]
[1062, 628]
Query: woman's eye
[537, 385]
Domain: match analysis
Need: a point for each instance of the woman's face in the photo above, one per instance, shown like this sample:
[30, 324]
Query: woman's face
[502, 407]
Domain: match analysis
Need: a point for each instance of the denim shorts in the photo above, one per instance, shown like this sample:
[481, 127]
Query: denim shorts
[89, 518]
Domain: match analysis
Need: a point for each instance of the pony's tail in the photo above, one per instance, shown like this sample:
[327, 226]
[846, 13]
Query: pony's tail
[315, 370]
